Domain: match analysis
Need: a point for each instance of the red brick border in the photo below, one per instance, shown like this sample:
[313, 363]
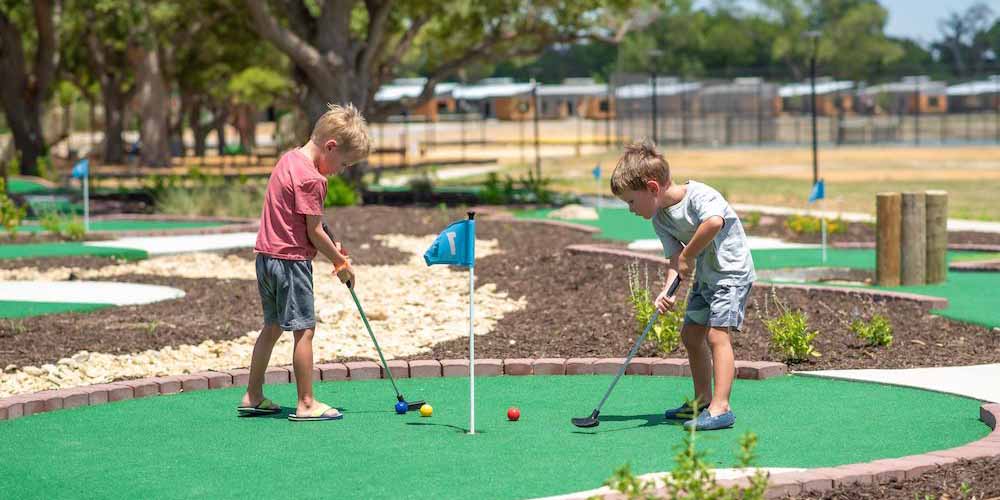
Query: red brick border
[818, 480]
[926, 301]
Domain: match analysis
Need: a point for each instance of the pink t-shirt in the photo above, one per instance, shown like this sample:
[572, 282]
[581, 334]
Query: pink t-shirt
[295, 189]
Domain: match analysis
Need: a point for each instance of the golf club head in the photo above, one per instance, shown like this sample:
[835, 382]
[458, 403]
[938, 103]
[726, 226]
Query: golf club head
[585, 422]
[415, 405]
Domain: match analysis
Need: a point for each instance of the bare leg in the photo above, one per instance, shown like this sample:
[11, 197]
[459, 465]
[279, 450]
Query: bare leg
[269, 335]
[302, 362]
[700, 358]
[725, 369]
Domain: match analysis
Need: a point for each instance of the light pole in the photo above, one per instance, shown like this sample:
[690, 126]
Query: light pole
[654, 55]
[814, 35]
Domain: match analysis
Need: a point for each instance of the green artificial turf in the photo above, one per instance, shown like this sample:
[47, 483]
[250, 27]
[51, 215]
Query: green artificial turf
[132, 225]
[39, 250]
[192, 445]
[18, 309]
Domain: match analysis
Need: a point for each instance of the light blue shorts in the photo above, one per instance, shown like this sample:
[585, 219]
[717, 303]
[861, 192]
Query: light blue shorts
[722, 306]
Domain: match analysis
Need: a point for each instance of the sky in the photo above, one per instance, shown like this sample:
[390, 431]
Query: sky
[918, 19]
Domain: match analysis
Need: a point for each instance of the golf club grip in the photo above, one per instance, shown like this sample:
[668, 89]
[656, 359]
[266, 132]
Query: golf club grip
[674, 285]
[326, 229]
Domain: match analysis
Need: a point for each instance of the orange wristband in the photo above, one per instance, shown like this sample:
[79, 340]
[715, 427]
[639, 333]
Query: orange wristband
[338, 268]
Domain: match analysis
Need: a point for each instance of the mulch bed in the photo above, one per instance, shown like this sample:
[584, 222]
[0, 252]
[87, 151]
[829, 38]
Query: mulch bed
[577, 307]
[775, 226]
[972, 479]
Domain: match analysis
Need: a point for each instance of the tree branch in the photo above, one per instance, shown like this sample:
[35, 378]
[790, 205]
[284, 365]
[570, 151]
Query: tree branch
[378, 17]
[304, 55]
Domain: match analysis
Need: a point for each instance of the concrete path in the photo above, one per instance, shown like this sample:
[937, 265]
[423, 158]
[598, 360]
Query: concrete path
[980, 382]
[164, 245]
[86, 292]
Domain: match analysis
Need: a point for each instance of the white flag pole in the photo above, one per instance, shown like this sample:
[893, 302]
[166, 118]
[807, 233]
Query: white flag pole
[472, 338]
[823, 225]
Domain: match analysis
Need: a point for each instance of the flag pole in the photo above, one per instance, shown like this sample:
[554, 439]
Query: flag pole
[472, 336]
[86, 202]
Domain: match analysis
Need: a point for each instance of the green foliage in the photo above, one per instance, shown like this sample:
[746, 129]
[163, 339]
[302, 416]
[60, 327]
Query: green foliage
[339, 193]
[877, 332]
[790, 336]
[200, 194]
[422, 186]
[751, 220]
[667, 330]
[692, 476]
[496, 191]
[258, 86]
[807, 224]
[525, 189]
[67, 228]
[11, 215]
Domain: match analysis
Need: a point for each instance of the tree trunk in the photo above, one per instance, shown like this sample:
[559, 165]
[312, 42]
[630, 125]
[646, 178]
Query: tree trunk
[199, 131]
[114, 123]
[245, 122]
[26, 127]
[177, 146]
[153, 100]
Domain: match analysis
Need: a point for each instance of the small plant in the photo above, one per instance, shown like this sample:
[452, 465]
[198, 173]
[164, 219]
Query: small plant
[667, 330]
[807, 224]
[73, 229]
[790, 333]
[339, 193]
[11, 215]
[63, 227]
[496, 191]
[751, 220]
[877, 332]
[692, 477]
[538, 186]
[421, 186]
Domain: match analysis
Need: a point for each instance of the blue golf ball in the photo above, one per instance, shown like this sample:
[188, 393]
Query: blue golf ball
[401, 407]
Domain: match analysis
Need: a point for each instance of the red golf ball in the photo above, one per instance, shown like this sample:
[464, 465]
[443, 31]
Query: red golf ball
[513, 414]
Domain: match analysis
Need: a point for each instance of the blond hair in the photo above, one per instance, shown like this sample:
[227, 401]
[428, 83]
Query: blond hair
[347, 126]
[639, 164]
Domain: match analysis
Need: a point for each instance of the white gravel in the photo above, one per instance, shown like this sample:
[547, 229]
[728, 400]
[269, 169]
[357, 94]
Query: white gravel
[410, 307]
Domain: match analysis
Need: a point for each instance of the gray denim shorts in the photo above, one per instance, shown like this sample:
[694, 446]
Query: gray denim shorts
[286, 292]
[722, 306]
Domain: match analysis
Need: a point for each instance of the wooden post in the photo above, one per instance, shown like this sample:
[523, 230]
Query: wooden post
[937, 236]
[888, 209]
[913, 236]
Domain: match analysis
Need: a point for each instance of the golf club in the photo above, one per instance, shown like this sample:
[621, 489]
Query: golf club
[410, 405]
[592, 420]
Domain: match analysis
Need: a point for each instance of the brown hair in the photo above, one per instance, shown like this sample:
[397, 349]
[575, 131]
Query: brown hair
[347, 126]
[639, 164]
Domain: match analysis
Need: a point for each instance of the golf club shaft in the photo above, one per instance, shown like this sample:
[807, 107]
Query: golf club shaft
[631, 354]
[364, 318]
[372, 335]
[649, 326]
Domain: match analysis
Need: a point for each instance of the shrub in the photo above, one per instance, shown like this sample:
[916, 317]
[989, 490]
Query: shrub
[877, 332]
[692, 476]
[807, 224]
[495, 191]
[67, 228]
[791, 337]
[751, 220]
[225, 200]
[667, 330]
[339, 193]
[11, 215]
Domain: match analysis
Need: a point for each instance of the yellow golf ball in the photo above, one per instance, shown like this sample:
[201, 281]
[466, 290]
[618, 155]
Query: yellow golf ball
[426, 411]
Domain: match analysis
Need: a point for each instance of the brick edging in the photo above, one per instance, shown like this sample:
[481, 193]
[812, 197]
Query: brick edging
[926, 301]
[22, 405]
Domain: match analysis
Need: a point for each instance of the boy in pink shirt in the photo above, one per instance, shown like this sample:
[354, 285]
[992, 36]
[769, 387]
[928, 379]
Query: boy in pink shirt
[290, 235]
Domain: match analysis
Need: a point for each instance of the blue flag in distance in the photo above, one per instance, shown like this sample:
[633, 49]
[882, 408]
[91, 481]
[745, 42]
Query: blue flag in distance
[818, 191]
[596, 172]
[81, 169]
[456, 245]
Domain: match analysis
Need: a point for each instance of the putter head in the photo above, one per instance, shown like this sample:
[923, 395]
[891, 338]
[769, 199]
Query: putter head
[415, 405]
[585, 422]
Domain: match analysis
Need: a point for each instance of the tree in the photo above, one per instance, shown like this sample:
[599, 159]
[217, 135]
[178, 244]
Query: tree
[26, 87]
[345, 50]
[964, 43]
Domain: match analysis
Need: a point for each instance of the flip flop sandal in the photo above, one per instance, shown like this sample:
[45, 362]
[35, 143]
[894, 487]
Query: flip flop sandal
[265, 407]
[317, 416]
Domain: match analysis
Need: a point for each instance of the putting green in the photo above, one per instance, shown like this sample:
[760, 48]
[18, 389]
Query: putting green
[133, 225]
[20, 309]
[192, 444]
[39, 250]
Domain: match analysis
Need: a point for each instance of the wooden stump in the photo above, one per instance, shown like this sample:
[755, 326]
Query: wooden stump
[887, 254]
[913, 236]
[937, 236]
